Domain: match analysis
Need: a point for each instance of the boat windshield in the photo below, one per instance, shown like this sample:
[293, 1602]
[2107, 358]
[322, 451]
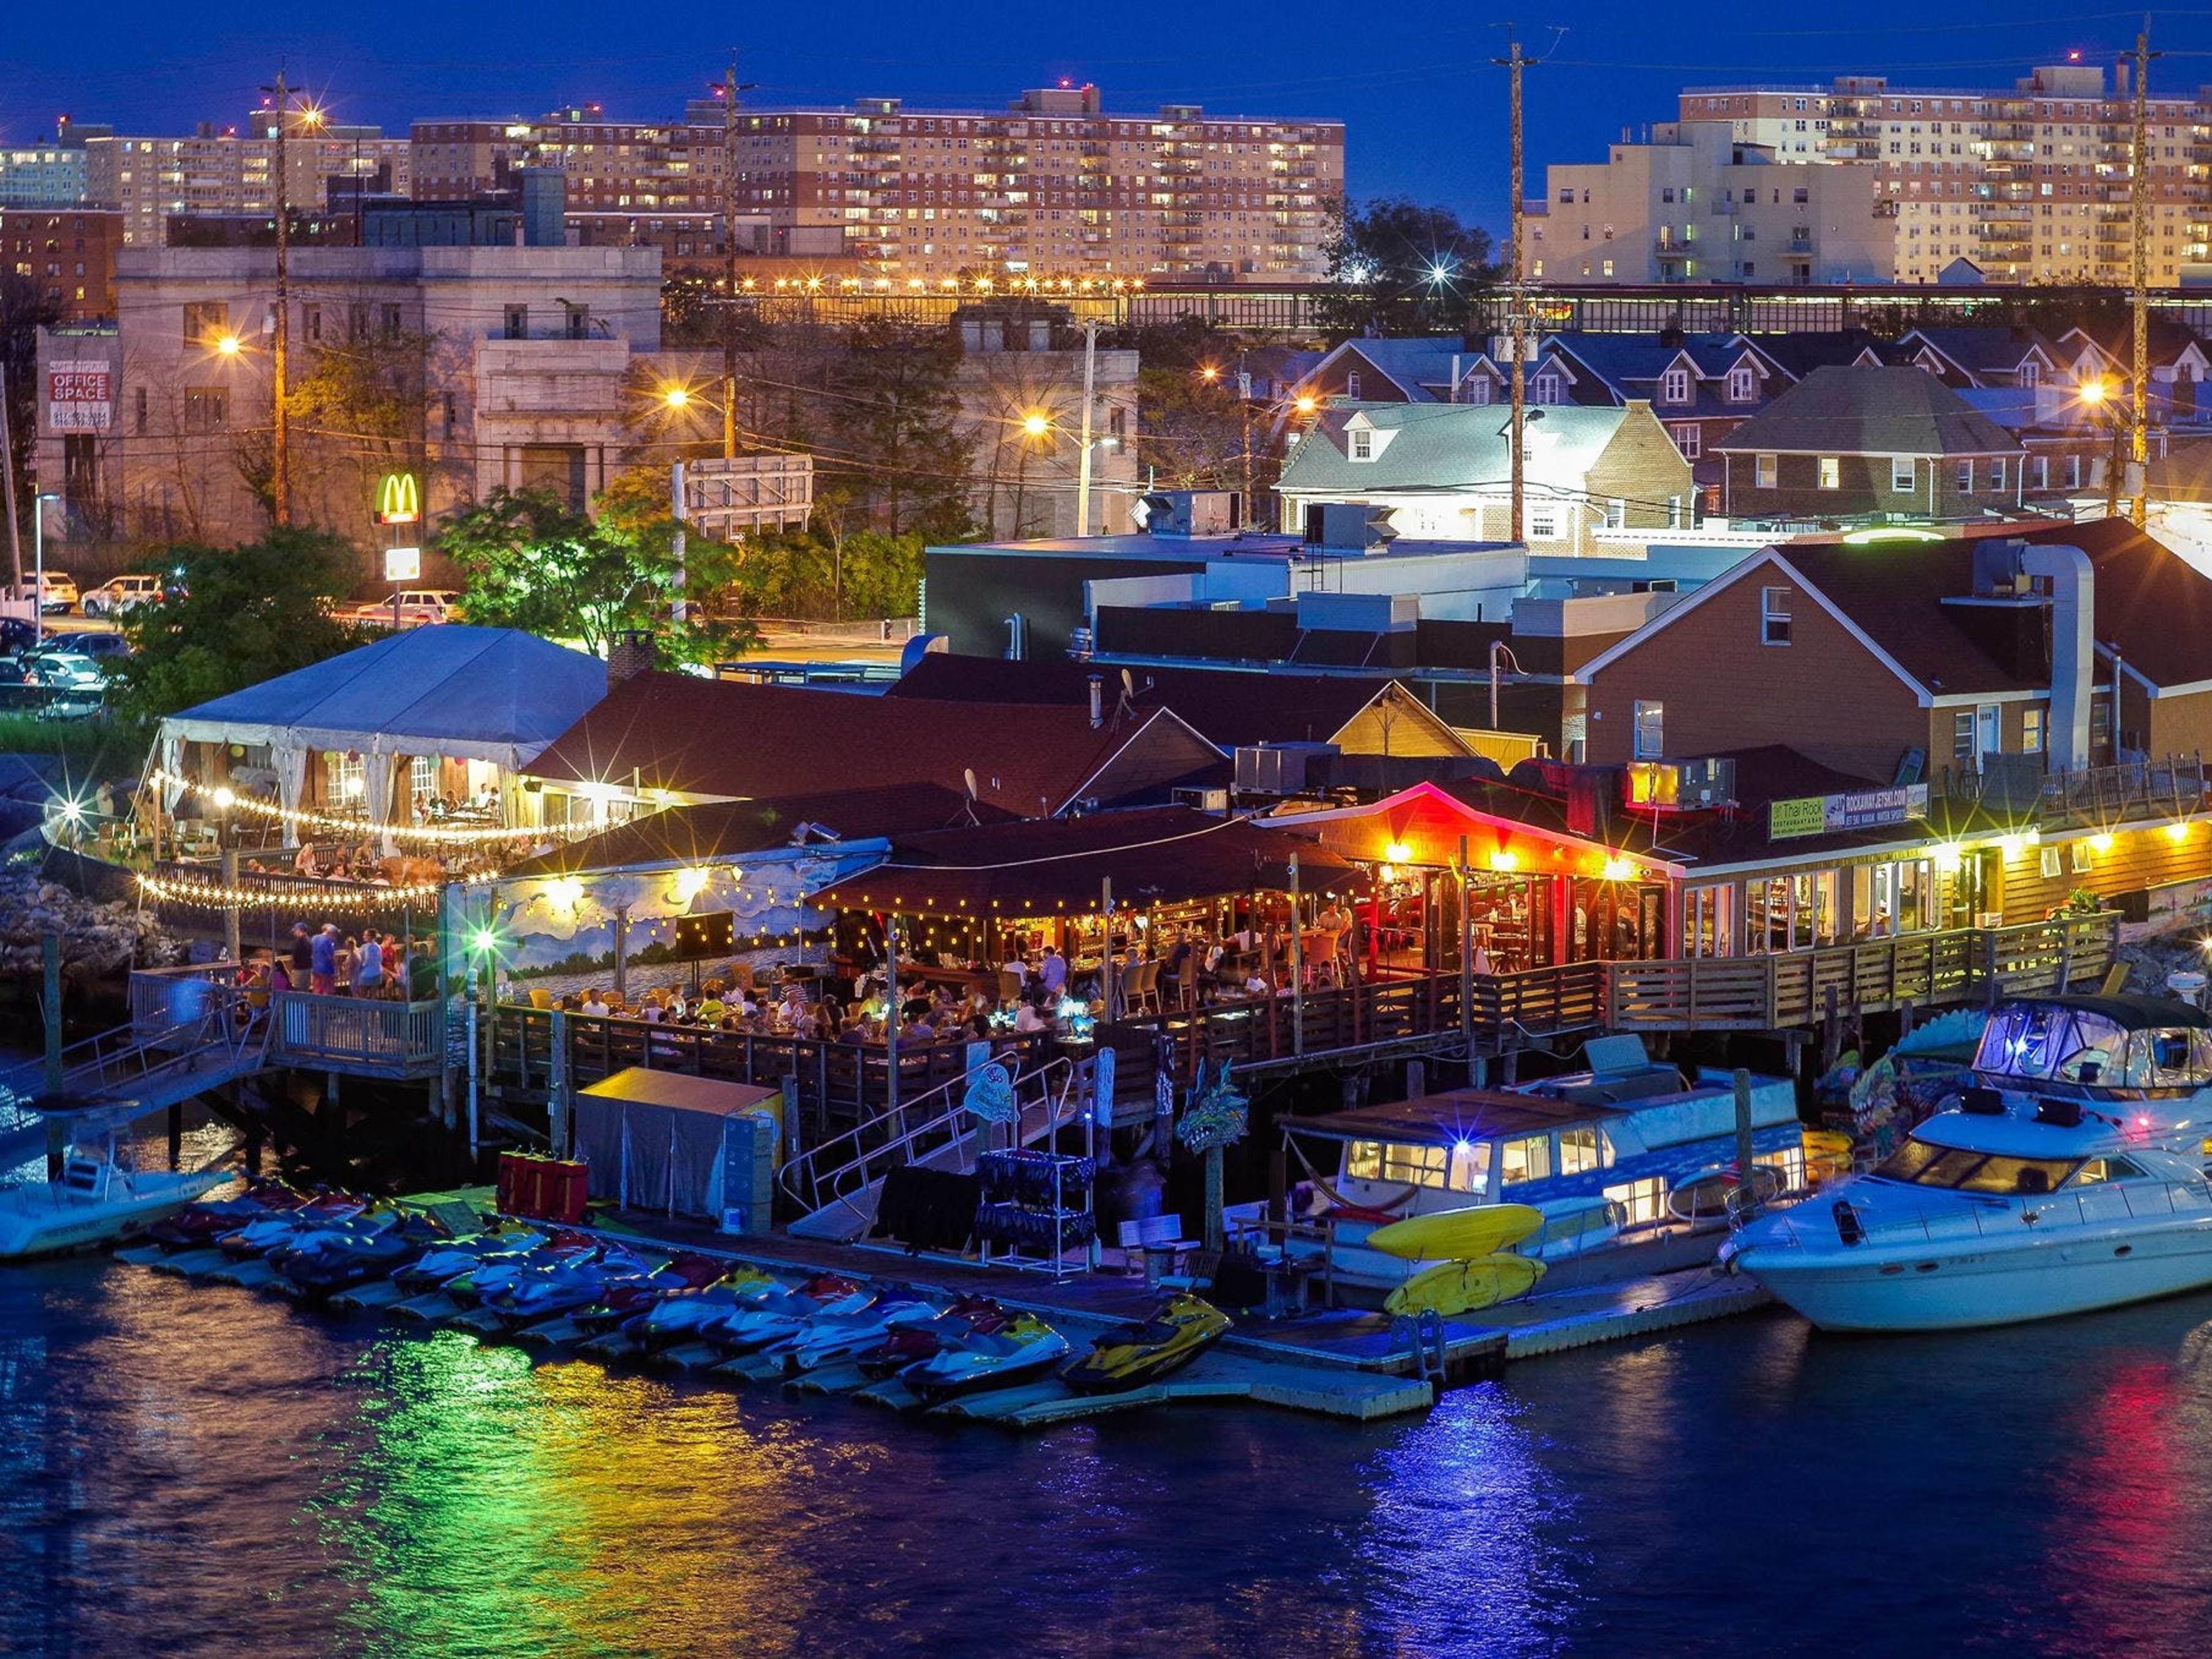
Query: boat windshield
[1959, 1170]
[2036, 1042]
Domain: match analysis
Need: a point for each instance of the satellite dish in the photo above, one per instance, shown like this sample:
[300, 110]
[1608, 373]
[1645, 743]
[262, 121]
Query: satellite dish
[968, 773]
[1128, 684]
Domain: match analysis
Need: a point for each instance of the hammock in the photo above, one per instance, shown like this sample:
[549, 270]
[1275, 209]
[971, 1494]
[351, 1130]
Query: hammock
[1339, 1204]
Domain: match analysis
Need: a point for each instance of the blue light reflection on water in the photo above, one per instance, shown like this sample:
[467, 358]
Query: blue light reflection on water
[197, 1471]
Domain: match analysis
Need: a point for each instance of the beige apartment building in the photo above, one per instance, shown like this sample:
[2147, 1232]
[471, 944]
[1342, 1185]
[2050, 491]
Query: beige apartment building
[232, 171]
[1054, 185]
[2029, 185]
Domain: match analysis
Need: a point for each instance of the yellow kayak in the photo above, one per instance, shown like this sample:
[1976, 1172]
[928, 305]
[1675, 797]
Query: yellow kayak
[1457, 1287]
[1456, 1235]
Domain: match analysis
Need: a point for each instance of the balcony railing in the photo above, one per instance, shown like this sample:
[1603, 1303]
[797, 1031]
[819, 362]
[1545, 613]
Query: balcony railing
[2015, 786]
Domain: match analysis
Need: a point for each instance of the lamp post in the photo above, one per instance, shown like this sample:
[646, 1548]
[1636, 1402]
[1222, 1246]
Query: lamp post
[2097, 397]
[38, 564]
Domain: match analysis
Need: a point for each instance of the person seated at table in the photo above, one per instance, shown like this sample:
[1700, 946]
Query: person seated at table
[712, 1010]
[1031, 1018]
[914, 1004]
[595, 1004]
[305, 861]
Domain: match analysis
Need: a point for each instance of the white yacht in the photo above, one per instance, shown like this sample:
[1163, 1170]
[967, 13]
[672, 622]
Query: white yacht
[96, 1200]
[2069, 1176]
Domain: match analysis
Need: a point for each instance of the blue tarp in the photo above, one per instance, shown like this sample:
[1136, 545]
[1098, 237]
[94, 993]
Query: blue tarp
[489, 694]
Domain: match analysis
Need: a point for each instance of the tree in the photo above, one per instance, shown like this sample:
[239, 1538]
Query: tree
[241, 615]
[24, 309]
[895, 415]
[528, 561]
[1396, 267]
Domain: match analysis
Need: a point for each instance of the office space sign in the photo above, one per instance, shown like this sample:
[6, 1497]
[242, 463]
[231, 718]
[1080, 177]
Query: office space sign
[1862, 809]
[79, 396]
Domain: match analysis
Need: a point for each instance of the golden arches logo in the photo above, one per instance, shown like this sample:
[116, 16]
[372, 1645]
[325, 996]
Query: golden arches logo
[398, 499]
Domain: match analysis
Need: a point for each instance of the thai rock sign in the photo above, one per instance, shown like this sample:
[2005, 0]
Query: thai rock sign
[79, 396]
[1862, 809]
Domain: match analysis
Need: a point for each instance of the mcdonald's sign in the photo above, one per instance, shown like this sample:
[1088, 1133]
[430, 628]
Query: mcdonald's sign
[398, 499]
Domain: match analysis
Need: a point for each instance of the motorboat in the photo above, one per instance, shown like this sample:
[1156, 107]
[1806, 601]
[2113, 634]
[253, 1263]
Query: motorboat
[1595, 1153]
[96, 1200]
[2069, 1176]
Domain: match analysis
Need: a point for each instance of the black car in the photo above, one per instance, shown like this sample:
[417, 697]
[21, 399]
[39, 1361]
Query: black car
[16, 634]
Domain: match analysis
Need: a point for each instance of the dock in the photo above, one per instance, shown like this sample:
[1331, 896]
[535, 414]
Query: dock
[1349, 1365]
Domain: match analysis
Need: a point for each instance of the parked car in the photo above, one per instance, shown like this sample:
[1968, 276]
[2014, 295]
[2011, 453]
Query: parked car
[120, 593]
[16, 633]
[100, 647]
[418, 605]
[56, 592]
[62, 670]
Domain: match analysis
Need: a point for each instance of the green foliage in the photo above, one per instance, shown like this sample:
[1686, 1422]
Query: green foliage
[895, 442]
[24, 308]
[1396, 267]
[827, 572]
[100, 746]
[252, 612]
[527, 562]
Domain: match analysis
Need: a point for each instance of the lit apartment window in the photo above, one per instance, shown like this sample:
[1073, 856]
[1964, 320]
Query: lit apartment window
[1900, 474]
[1831, 473]
[1764, 471]
[2031, 731]
[1774, 615]
[1650, 729]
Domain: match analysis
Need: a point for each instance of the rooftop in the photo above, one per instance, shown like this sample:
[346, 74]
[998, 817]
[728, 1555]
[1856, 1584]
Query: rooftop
[1870, 411]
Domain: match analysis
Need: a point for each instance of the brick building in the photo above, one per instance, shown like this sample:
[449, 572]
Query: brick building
[69, 252]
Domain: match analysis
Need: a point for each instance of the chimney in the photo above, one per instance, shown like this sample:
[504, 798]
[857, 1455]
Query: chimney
[2073, 650]
[633, 652]
[1097, 701]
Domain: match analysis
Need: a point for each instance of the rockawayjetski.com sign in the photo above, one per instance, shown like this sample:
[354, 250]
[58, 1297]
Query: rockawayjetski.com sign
[1862, 809]
[79, 396]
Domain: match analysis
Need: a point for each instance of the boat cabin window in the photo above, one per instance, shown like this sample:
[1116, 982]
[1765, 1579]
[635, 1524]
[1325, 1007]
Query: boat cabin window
[1529, 1158]
[1464, 1168]
[1926, 1165]
[1585, 1149]
[2099, 1169]
[2069, 1045]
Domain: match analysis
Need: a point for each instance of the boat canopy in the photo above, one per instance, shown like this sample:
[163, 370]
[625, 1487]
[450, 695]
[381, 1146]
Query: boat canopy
[1448, 1119]
[2099, 1042]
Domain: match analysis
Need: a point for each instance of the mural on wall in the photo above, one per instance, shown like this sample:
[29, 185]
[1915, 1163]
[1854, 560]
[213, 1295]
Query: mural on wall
[550, 925]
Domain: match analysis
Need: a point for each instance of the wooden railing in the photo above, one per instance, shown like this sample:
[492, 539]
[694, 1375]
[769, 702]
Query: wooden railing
[838, 1084]
[357, 1034]
[1759, 993]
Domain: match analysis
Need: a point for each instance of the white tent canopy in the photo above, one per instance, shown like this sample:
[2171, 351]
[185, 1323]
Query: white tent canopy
[485, 694]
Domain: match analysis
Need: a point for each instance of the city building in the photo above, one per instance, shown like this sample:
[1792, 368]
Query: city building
[1054, 185]
[1863, 443]
[44, 174]
[69, 252]
[223, 171]
[1020, 388]
[512, 366]
[1697, 204]
[2026, 183]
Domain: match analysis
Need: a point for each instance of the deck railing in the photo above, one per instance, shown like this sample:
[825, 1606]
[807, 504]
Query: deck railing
[357, 1033]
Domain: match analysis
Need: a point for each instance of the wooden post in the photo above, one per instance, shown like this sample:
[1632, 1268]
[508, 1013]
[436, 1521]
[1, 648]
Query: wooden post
[1297, 966]
[890, 1019]
[1748, 1191]
[231, 945]
[1466, 965]
[1216, 1233]
[621, 931]
[50, 961]
[1279, 1185]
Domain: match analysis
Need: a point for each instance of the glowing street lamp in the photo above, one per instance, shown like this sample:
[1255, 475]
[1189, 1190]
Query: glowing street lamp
[228, 345]
[1036, 425]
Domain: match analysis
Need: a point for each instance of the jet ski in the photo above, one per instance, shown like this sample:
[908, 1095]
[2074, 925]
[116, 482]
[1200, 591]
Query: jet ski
[684, 1315]
[454, 1257]
[684, 1272]
[338, 1258]
[272, 1231]
[197, 1225]
[905, 1344]
[494, 1273]
[1023, 1348]
[832, 1338]
[1180, 1328]
[560, 1287]
[783, 1312]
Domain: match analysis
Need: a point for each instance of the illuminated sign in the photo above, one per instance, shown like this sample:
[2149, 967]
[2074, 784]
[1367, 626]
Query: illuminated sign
[403, 564]
[1862, 809]
[398, 499]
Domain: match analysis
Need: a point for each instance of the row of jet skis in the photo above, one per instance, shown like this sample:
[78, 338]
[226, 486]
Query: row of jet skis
[637, 1302]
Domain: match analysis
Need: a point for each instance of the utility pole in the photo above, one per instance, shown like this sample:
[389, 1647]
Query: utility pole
[280, 360]
[8, 491]
[730, 90]
[1244, 409]
[1516, 315]
[2139, 298]
[1083, 460]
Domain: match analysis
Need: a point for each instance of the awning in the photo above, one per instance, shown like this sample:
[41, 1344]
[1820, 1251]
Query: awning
[1167, 855]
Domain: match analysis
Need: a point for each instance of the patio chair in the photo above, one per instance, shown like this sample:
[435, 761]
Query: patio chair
[541, 998]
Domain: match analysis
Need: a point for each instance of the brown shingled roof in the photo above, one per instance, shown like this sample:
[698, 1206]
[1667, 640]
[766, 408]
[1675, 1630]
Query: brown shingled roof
[729, 740]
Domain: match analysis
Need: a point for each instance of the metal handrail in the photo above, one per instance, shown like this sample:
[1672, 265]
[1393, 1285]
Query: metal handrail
[900, 1146]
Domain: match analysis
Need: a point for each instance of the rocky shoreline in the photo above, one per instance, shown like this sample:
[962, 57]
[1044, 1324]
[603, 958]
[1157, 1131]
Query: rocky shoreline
[100, 941]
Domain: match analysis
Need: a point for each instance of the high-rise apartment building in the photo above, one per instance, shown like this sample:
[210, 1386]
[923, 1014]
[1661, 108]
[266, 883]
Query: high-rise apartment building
[229, 173]
[1053, 185]
[42, 175]
[2030, 185]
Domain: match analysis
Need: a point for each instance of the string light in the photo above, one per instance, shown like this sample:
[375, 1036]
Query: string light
[214, 896]
[270, 809]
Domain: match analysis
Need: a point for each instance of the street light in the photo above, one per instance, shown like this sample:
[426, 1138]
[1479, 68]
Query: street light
[228, 346]
[2096, 396]
[1036, 425]
[39, 565]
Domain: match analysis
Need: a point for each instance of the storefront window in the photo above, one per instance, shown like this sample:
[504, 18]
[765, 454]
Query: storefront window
[1709, 921]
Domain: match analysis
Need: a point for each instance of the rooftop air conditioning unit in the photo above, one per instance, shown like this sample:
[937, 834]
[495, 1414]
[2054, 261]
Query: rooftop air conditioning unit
[1349, 526]
[1202, 799]
[1194, 512]
[1279, 769]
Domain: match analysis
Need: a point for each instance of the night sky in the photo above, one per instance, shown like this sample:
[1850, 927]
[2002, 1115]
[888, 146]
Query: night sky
[1426, 108]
